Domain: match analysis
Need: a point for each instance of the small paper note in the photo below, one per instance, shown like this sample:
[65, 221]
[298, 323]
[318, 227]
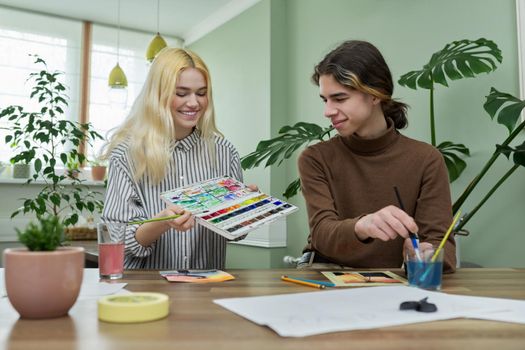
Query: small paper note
[196, 276]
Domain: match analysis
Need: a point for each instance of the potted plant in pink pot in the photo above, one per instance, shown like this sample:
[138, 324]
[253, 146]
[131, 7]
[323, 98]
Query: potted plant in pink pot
[43, 280]
[98, 169]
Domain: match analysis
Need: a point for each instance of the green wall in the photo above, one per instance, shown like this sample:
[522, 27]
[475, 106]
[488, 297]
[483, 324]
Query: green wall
[238, 57]
[262, 61]
[244, 70]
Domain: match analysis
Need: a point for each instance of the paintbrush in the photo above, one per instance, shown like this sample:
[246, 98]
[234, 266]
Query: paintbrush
[164, 218]
[413, 237]
[444, 240]
[441, 245]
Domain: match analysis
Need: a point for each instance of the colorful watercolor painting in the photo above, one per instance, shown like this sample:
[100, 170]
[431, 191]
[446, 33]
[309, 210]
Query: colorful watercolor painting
[228, 206]
[345, 278]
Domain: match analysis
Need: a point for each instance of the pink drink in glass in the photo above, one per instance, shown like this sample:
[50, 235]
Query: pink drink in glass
[111, 259]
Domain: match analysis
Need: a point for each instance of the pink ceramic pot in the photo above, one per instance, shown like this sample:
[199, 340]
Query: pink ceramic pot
[98, 173]
[43, 284]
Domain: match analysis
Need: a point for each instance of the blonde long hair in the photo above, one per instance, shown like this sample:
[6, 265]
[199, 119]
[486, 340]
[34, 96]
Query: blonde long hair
[149, 129]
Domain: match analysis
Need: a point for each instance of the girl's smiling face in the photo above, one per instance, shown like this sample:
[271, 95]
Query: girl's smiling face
[189, 102]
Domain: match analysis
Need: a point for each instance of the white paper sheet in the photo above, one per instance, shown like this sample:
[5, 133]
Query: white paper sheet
[92, 288]
[515, 310]
[98, 289]
[304, 314]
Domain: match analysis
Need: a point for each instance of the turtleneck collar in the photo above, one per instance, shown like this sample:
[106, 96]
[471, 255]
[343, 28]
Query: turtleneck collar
[372, 146]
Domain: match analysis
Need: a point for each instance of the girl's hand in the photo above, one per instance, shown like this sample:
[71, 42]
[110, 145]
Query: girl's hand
[183, 223]
[253, 187]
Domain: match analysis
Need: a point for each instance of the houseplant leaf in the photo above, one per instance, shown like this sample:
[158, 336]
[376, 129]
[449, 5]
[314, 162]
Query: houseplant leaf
[457, 60]
[281, 147]
[451, 153]
[509, 114]
[46, 235]
[292, 189]
[517, 153]
[45, 138]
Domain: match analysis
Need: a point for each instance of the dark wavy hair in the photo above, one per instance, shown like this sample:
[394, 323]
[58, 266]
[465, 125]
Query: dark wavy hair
[359, 65]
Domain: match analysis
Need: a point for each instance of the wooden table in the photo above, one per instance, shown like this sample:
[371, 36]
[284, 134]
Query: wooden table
[195, 322]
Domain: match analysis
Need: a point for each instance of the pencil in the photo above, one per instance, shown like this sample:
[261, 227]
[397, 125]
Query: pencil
[304, 283]
[154, 219]
[324, 283]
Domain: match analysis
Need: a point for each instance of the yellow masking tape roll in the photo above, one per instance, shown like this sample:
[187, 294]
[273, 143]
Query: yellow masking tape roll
[134, 307]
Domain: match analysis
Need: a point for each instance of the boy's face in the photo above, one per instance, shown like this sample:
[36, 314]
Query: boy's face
[350, 111]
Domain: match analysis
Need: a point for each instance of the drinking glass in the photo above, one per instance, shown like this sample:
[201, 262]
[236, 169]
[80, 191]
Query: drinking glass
[111, 237]
[425, 273]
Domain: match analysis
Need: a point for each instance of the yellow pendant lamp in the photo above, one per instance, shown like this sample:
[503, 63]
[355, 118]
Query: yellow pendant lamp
[117, 78]
[158, 42]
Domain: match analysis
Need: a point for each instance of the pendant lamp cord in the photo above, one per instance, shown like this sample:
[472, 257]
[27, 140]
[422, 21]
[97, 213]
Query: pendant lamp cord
[158, 15]
[118, 32]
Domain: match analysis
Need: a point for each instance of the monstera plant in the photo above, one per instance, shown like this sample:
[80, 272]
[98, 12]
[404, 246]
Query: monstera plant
[457, 60]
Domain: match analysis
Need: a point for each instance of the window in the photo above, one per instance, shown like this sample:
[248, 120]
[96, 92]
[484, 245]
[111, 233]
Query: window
[56, 40]
[102, 114]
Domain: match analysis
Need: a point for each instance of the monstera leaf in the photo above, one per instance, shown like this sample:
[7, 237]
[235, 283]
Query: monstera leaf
[457, 60]
[292, 189]
[518, 153]
[282, 147]
[455, 165]
[508, 115]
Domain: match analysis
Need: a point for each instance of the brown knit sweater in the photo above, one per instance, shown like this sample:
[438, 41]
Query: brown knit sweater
[345, 178]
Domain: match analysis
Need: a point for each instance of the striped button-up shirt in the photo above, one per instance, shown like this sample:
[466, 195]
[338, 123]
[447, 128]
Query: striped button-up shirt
[128, 200]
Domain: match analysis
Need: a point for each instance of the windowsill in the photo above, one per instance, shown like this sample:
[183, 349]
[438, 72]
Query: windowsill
[11, 181]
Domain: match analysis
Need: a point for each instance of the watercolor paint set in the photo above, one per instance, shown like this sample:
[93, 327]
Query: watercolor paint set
[228, 206]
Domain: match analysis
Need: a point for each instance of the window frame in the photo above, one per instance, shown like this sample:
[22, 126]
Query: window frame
[520, 14]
